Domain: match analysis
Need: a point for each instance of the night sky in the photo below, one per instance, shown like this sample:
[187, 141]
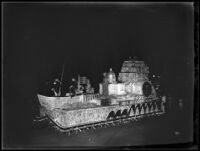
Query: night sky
[38, 38]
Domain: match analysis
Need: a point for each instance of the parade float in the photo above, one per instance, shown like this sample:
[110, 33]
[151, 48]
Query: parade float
[130, 96]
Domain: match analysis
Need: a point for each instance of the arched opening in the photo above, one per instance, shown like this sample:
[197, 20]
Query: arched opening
[156, 107]
[138, 109]
[143, 110]
[111, 115]
[131, 110]
[124, 113]
[149, 107]
[118, 114]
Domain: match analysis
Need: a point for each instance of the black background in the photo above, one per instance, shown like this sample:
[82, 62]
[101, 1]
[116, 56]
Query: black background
[89, 39]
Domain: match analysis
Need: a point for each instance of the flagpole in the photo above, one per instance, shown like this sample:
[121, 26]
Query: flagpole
[63, 68]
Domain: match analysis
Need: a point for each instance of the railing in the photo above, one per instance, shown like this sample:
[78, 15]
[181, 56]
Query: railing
[89, 97]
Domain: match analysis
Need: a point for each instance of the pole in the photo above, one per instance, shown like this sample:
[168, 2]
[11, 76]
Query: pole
[63, 68]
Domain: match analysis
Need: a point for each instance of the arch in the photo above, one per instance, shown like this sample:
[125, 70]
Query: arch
[118, 114]
[156, 106]
[139, 106]
[125, 113]
[147, 108]
[111, 115]
[138, 109]
[151, 106]
[142, 111]
[144, 108]
[131, 111]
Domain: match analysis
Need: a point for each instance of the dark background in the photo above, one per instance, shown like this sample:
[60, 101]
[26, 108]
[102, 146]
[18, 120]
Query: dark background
[89, 39]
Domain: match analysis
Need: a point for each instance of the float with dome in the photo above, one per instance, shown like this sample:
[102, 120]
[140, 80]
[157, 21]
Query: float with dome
[130, 96]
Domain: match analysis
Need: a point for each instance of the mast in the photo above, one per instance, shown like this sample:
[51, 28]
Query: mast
[63, 68]
[78, 82]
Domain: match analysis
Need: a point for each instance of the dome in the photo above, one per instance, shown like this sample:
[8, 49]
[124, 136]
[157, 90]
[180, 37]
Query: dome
[111, 76]
[110, 72]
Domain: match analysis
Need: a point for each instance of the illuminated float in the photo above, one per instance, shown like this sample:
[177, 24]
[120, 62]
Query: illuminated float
[131, 96]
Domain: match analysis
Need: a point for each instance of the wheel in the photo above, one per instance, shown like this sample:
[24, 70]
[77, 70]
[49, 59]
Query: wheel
[146, 88]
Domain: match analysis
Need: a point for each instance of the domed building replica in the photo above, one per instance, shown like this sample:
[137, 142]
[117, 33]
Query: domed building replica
[133, 75]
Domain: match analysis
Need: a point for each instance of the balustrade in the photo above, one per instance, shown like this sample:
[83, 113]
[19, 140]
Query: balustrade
[89, 97]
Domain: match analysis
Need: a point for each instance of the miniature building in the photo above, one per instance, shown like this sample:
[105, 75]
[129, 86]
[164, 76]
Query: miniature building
[130, 80]
[133, 71]
[110, 77]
